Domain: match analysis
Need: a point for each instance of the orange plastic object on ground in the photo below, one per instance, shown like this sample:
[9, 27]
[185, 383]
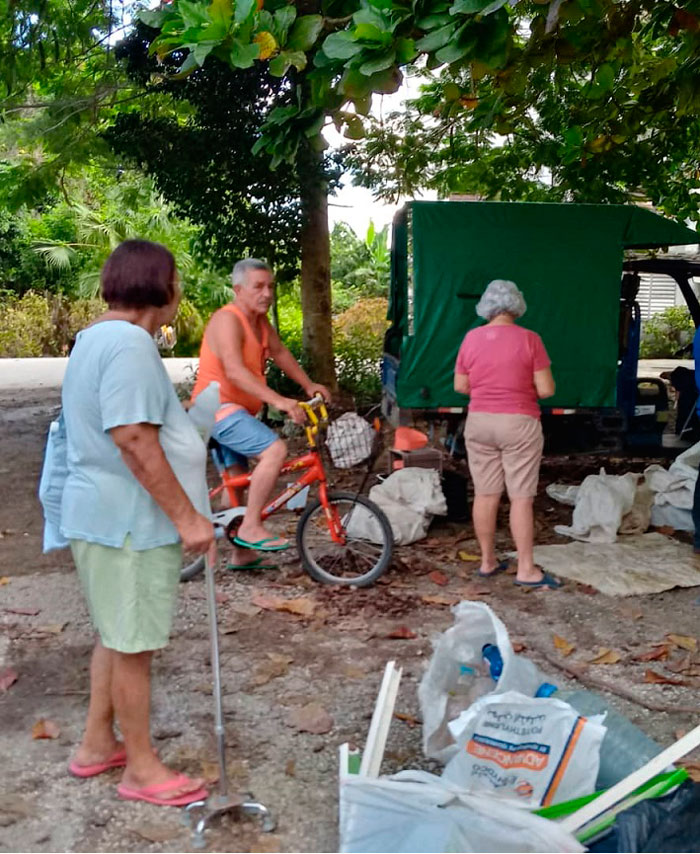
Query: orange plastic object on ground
[408, 439]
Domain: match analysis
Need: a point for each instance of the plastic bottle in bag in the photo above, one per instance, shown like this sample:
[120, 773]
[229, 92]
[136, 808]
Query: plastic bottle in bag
[625, 747]
[470, 685]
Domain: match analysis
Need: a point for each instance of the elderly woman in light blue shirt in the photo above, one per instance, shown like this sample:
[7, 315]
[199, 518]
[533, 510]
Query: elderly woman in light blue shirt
[135, 493]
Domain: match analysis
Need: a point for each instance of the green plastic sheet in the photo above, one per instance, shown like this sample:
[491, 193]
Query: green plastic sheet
[567, 260]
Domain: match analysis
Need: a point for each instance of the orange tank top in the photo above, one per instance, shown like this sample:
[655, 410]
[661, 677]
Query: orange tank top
[255, 353]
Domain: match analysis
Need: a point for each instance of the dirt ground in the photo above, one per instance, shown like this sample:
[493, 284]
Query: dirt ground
[274, 663]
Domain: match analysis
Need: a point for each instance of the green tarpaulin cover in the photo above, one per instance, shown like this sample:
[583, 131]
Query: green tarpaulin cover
[567, 260]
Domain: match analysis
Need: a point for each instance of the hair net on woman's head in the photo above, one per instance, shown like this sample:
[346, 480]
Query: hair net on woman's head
[501, 296]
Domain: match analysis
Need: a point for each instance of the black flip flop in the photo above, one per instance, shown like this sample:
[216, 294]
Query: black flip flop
[547, 580]
[502, 567]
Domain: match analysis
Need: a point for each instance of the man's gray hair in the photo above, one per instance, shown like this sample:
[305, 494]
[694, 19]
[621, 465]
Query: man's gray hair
[501, 297]
[241, 269]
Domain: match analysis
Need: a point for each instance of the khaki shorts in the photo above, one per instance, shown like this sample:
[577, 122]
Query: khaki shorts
[131, 595]
[504, 451]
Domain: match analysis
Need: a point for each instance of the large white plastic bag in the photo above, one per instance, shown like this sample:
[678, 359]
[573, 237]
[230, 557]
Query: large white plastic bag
[601, 503]
[534, 749]
[414, 811]
[475, 625]
[349, 440]
[54, 472]
[409, 497]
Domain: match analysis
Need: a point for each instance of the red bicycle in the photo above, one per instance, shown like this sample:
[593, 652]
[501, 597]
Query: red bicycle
[342, 537]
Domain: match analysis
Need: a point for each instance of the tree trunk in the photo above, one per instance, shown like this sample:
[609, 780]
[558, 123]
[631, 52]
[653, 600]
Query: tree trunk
[317, 330]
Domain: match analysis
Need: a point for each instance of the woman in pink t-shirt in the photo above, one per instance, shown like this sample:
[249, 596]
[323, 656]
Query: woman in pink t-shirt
[505, 369]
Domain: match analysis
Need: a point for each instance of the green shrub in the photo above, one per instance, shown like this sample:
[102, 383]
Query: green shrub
[666, 333]
[42, 324]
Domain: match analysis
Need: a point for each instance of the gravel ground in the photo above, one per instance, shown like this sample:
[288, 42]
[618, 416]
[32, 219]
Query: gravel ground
[273, 664]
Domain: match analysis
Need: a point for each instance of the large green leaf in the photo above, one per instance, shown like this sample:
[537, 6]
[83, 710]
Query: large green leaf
[605, 76]
[193, 14]
[354, 128]
[243, 55]
[152, 17]
[341, 45]
[370, 33]
[221, 11]
[244, 9]
[437, 39]
[379, 62]
[202, 50]
[305, 32]
[467, 7]
[386, 82]
[493, 7]
[284, 18]
[405, 51]
[354, 84]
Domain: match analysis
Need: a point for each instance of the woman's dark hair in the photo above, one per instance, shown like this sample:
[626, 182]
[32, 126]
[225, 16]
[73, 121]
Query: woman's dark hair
[138, 274]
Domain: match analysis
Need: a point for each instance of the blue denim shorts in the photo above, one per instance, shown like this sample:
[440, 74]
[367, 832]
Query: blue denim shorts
[241, 435]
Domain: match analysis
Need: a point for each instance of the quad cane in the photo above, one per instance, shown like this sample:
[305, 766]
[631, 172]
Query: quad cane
[220, 802]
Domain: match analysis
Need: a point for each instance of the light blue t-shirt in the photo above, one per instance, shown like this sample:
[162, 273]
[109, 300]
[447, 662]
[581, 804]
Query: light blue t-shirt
[115, 376]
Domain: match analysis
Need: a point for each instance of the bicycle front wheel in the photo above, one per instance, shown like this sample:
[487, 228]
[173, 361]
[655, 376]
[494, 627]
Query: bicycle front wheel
[191, 566]
[366, 545]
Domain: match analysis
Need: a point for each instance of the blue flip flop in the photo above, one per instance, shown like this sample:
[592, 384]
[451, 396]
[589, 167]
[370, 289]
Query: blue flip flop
[547, 580]
[260, 546]
[502, 567]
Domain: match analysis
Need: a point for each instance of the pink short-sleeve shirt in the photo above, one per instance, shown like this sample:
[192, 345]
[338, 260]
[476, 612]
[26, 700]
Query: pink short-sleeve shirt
[500, 362]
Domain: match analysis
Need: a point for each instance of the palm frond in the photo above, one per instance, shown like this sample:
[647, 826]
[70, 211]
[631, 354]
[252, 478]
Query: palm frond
[56, 254]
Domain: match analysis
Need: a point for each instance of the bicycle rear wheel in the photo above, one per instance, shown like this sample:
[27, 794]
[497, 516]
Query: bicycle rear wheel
[368, 541]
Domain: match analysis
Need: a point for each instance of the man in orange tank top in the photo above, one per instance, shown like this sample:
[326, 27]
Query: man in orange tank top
[237, 342]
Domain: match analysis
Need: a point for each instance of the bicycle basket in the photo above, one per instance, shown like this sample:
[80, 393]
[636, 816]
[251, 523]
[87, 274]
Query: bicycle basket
[350, 440]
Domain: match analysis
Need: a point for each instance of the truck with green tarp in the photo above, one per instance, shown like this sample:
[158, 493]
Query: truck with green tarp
[569, 261]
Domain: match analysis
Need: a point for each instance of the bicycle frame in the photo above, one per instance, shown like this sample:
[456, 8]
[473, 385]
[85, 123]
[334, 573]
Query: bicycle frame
[311, 463]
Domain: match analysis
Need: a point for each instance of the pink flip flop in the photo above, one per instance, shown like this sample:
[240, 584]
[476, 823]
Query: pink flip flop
[150, 794]
[118, 760]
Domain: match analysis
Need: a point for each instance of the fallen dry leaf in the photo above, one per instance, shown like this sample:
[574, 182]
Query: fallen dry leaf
[658, 653]
[4, 580]
[245, 609]
[310, 718]
[157, 832]
[466, 556]
[210, 771]
[266, 843]
[45, 728]
[276, 665]
[51, 629]
[302, 605]
[687, 664]
[588, 589]
[411, 720]
[401, 633]
[8, 677]
[563, 645]
[471, 591]
[679, 733]
[660, 679]
[630, 611]
[440, 599]
[606, 656]
[353, 672]
[290, 768]
[25, 612]
[684, 642]
[518, 646]
[438, 577]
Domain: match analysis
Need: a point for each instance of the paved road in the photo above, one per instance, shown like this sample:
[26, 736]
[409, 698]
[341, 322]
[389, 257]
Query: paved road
[30, 374]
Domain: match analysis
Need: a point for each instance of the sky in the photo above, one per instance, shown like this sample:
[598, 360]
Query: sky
[356, 205]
